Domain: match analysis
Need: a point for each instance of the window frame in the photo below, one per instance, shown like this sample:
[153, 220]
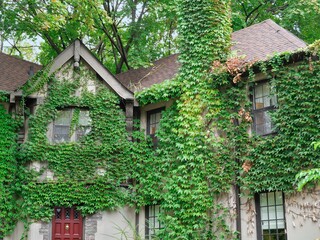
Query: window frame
[148, 234]
[262, 110]
[74, 136]
[258, 215]
[149, 113]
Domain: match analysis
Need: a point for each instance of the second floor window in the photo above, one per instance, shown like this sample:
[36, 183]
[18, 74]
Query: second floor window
[264, 101]
[153, 123]
[62, 129]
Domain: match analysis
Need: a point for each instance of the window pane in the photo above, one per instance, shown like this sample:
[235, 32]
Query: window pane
[61, 126]
[263, 123]
[84, 118]
[271, 199]
[263, 97]
[263, 199]
[279, 200]
[279, 210]
[272, 212]
[258, 91]
[61, 133]
[63, 117]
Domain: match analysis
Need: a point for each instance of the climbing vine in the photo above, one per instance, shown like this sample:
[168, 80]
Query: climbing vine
[87, 173]
[9, 204]
[204, 145]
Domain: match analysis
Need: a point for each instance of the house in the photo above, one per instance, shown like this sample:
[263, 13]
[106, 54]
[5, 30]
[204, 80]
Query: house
[77, 132]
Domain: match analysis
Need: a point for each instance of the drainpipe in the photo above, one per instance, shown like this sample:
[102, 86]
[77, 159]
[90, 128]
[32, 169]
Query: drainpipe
[237, 193]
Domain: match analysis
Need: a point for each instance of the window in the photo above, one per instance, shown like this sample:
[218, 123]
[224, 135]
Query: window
[62, 132]
[152, 221]
[153, 122]
[264, 102]
[271, 224]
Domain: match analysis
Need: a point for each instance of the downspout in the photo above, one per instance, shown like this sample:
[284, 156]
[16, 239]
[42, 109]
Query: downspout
[237, 193]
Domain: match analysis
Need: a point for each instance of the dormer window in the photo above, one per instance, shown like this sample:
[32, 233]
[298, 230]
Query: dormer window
[70, 125]
[263, 102]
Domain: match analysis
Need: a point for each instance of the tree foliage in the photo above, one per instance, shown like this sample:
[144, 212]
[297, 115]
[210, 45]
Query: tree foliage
[123, 33]
[294, 15]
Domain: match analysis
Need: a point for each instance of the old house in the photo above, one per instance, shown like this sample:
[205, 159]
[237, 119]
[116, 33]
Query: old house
[78, 130]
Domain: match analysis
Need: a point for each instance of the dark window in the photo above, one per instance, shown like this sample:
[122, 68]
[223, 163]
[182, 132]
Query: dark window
[263, 102]
[152, 221]
[271, 224]
[62, 131]
[153, 122]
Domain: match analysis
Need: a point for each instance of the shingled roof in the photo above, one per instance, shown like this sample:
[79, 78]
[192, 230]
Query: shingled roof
[257, 42]
[14, 72]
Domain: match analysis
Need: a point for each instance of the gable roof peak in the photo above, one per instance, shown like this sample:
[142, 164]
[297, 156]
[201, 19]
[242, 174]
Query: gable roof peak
[77, 50]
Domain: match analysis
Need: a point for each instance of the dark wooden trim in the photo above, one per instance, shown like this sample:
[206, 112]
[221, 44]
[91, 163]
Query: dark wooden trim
[258, 217]
[146, 212]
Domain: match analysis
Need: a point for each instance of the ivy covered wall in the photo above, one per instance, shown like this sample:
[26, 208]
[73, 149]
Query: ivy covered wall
[204, 138]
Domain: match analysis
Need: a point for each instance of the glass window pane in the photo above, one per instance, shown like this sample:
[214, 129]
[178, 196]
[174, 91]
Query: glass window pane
[63, 117]
[263, 123]
[271, 199]
[61, 133]
[266, 89]
[279, 200]
[273, 224]
[258, 91]
[259, 103]
[272, 212]
[264, 213]
[263, 199]
[84, 118]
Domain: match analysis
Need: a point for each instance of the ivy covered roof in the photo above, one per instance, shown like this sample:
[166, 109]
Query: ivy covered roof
[257, 42]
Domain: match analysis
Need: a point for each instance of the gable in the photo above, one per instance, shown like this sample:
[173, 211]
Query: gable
[78, 52]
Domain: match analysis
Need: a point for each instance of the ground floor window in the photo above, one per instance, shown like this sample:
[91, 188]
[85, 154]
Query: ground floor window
[271, 224]
[152, 220]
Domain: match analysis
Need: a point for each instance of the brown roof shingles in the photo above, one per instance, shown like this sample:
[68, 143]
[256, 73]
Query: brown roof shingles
[257, 42]
[14, 72]
[162, 69]
[262, 40]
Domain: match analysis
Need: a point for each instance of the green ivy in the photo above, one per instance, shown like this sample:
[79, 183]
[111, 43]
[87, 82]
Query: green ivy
[9, 203]
[75, 164]
[276, 160]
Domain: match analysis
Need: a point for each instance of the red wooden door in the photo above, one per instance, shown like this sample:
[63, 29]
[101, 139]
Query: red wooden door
[66, 224]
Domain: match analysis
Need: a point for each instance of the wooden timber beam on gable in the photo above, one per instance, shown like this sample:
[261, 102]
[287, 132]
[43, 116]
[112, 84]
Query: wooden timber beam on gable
[77, 50]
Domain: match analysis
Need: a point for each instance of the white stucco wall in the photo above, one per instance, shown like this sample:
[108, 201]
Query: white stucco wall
[33, 233]
[119, 224]
[302, 213]
[17, 233]
[248, 219]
